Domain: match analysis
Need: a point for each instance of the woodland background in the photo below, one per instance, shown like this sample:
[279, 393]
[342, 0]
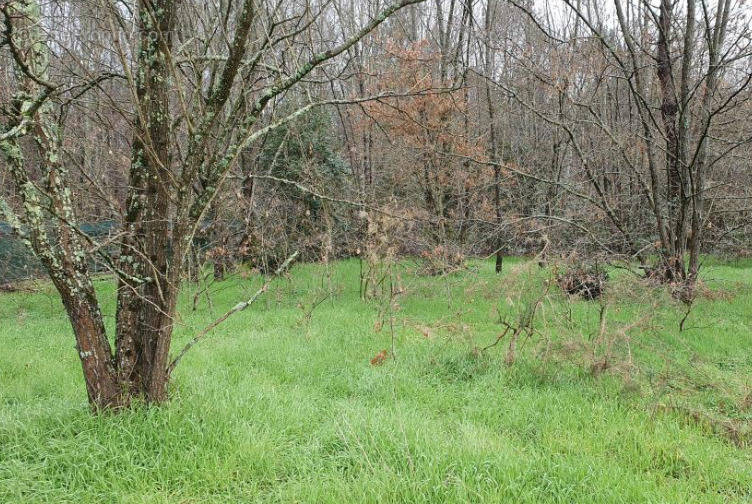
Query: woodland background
[513, 126]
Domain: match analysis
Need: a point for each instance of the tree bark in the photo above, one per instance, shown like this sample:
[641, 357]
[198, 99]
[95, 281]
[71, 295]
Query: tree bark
[146, 305]
[493, 148]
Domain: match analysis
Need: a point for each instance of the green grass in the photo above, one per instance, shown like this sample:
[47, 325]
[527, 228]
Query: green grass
[278, 407]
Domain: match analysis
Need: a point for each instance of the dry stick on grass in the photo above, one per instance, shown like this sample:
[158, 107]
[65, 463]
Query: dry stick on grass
[308, 315]
[525, 324]
[499, 338]
[237, 308]
[689, 303]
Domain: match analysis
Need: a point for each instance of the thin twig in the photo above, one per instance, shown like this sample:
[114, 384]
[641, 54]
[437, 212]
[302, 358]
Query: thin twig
[237, 308]
[499, 338]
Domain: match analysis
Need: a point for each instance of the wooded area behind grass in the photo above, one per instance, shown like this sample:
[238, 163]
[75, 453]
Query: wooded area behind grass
[283, 404]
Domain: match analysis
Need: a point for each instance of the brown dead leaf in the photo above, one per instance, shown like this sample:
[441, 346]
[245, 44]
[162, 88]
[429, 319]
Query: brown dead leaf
[380, 358]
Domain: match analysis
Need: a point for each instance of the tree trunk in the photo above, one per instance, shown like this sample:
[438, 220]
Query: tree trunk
[677, 171]
[493, 149]
[146, 299]
[102, 385]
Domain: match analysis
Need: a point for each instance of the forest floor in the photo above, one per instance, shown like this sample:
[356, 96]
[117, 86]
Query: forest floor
[606, 401]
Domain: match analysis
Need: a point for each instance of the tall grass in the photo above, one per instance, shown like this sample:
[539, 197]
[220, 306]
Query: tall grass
[278, 406]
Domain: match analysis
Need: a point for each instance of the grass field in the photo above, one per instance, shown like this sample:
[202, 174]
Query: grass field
[282, 404]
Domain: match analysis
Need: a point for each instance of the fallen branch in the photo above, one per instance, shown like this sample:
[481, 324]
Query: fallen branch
[237, 308]
[10, 288]
[525, 324]
[499, 338]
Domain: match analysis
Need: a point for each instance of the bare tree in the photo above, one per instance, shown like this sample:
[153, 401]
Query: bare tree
[200, 78]
[653, 132]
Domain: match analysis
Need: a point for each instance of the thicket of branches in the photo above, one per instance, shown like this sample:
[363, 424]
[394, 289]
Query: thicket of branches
[229, 132]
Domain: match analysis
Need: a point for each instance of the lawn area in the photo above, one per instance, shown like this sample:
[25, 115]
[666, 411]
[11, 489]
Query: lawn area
[282, 404]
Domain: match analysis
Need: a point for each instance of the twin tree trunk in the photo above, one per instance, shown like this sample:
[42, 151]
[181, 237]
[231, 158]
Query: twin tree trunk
[164, 204]
[150, 261]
